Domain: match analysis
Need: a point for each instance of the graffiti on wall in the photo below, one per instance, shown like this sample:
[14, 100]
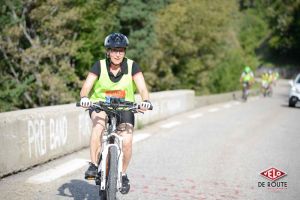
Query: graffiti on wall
[37, 137]
[46, 135]
[49, 134]
[58, 132]
[84, 125]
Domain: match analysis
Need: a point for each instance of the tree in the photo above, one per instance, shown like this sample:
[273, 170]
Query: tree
[38, 47]
[193, 37]
[284, 21]
[137, 21]
[97, 20]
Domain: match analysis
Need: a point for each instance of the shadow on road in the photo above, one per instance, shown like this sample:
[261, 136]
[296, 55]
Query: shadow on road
[78, 190]
[286, 106]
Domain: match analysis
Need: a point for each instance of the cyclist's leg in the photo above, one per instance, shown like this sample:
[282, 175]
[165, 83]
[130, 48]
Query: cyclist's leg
[98, 121]
[248, 88]
[125, 124]
[98, 126]
[126, 131]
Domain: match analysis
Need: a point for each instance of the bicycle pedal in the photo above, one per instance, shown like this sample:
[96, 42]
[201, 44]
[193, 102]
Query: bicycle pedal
[90, 178]
[97, 181]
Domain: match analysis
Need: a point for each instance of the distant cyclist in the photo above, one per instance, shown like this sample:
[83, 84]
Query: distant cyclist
[247, 80]
[271, 77]
[276, 77]
[265, 83]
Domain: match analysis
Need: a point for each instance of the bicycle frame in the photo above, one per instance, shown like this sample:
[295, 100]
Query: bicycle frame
[246, 87]
[112, 144]
[118, 141]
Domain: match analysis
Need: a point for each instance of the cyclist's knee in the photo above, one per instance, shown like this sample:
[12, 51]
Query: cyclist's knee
[99, 120]
[126, 131]
[125, 128]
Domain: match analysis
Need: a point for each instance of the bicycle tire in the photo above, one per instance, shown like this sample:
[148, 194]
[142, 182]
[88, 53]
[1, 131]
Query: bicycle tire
[102, 195]
[244, 96]
[111, 190]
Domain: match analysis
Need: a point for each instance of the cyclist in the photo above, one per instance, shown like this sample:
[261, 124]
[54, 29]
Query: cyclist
[276, 77]
[247, 79]
[114, 76]
[271, 79]
[265, 84]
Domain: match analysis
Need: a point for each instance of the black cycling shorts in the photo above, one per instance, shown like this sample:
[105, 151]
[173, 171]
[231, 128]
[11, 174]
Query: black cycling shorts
[123, 117]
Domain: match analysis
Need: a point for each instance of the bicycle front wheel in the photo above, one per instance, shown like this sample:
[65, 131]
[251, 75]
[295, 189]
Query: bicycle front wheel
[111, 190]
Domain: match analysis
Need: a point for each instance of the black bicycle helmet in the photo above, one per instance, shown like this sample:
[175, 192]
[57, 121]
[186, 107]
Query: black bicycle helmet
[116, 40]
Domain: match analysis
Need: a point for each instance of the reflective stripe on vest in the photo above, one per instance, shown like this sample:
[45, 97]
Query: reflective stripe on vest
[104, 86]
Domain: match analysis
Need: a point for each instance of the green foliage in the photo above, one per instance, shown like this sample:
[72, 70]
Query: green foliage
[224, 77]
[284, 20]
[98, 19]
[137, 19]
[192, 44]
[281, 45]
[38, 47]
[253, 30]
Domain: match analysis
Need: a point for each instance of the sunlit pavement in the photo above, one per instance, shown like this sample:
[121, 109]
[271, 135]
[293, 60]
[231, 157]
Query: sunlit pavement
[214, 152]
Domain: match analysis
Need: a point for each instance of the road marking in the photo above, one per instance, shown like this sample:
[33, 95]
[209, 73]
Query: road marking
[195, 115]
[170, 125]
[57, 172]
[140, 137]
[69, 167]
[213, 110]
[227, 106]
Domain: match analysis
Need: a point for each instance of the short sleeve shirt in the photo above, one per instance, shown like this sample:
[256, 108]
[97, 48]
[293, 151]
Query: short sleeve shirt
[96, 69]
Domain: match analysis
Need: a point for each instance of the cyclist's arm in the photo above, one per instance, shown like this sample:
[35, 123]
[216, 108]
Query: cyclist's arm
[88, 84]
[141, 85]
[241, 79]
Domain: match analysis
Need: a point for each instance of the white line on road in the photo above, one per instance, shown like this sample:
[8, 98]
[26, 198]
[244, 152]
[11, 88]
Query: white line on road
[195, 115]
[213, 110]
[170, 125]
[69, 167]
[57, 171]
[227, 106]
[140, 137]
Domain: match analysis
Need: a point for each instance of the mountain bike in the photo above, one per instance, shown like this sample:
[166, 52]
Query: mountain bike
[245, 94]
[267, 89]
[110, 160]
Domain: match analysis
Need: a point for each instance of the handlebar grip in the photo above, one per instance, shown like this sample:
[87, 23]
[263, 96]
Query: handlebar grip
[78, 104]
[151, 107]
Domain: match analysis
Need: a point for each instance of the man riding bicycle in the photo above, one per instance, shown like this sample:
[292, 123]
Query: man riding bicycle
[115, 76]
[247, 78]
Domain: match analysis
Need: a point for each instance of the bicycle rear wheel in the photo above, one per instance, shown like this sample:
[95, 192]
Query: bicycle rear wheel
[111, 187]
[244, 95]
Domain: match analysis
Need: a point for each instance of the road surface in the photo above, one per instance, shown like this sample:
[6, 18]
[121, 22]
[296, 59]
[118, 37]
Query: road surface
[213, 152]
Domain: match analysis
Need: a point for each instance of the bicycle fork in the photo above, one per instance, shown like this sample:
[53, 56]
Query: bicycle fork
[118, 141]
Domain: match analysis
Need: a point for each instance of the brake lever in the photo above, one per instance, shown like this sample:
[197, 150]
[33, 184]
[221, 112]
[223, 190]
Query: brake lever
[135, 109]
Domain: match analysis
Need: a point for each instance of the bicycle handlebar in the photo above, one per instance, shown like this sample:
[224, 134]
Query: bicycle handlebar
[115, 106]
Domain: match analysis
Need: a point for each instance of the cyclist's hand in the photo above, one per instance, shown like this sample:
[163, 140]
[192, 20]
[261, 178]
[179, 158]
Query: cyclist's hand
[85, 102]
[145, 105]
